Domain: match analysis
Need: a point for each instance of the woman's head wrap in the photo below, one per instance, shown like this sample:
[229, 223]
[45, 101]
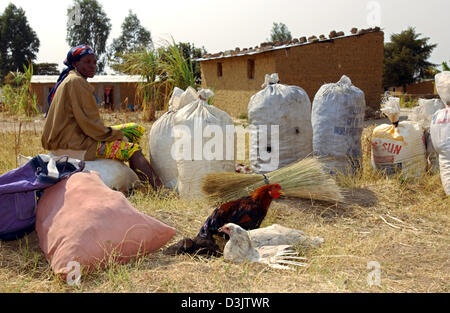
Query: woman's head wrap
[74, 55]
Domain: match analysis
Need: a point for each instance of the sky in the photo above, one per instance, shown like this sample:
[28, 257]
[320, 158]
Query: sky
[220, 25]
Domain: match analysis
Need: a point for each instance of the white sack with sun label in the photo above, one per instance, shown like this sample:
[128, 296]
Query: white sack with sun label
[422, 114]
[442, 81]
[161, 138]
[399, 146]
[204, 144]
[337, 121]
[280, 126]
[440, 135]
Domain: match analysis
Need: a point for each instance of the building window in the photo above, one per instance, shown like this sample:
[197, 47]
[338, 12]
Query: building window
[219, 70]
[250, 69]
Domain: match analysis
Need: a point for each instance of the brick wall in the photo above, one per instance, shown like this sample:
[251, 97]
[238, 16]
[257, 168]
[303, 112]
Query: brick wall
[234, 89]
[426, 87]
[309, 66]
[41, 91]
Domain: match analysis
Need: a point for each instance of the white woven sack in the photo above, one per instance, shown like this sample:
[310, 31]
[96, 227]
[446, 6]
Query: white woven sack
[398, 147]
[161, 138]
[442, 81]
[193, 142]
[422, 114]
[440, 136]
[287, 107]
[337, 121]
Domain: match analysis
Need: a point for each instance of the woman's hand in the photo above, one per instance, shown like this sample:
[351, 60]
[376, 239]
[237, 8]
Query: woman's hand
[125, 139]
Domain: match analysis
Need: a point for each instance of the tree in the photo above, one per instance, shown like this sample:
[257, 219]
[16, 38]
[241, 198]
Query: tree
[280, 32]
[88, 24]
[19, 43]
[405, 58]
[134, 37]
[46, 69]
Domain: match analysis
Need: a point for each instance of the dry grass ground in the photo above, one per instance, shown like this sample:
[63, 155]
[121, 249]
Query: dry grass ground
[402, 225]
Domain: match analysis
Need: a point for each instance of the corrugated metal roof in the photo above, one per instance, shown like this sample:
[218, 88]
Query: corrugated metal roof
[272, 47]
[51, 79]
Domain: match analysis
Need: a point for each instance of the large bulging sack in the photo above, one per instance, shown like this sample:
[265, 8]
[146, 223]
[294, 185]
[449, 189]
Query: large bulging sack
[82, 224]
[399, 146]
[204, 143]
[114, 174]
[288, 109]
[422, 114]
[337, 121]
[442, 81]
[161, 138]
[440, 136]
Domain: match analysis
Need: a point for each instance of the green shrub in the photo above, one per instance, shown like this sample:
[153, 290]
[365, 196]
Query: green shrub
[18, 97]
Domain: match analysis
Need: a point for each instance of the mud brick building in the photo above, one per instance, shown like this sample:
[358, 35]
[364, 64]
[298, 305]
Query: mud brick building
[112, 91]
[236, 75]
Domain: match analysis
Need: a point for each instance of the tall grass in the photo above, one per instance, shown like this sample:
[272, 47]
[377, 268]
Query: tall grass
[162, 70]
[180, 72]
[18, 97]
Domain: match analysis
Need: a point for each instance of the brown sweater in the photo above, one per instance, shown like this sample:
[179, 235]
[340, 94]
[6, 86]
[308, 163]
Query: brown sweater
[73, 121]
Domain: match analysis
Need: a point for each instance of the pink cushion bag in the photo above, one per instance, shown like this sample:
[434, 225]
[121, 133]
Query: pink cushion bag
[81, 219]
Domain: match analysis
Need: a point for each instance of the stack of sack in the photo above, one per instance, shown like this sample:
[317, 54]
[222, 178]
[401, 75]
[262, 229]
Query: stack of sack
[161, 138]
[289, 109]
[81, 223]
[338, 121]
[422, 114]
[398, 146]
[440, 129]
[204, 144]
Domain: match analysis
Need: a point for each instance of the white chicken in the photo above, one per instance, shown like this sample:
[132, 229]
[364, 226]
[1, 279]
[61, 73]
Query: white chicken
[270, 245]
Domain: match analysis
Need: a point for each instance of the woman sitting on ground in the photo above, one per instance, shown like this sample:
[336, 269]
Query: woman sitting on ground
[73, 125]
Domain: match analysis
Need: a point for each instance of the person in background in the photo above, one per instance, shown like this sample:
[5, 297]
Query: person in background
[73, 125]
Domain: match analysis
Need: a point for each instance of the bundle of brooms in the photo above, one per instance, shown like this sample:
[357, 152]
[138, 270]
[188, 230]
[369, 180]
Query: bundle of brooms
[303, 179]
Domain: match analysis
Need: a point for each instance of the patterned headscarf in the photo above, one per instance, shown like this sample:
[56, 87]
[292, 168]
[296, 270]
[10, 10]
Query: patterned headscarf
[75, 54]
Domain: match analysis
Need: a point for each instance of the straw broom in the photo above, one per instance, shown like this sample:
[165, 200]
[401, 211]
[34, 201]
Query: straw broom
[303, 179]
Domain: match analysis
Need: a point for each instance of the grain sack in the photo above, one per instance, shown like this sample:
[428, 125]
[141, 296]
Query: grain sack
[161, 138]
[422, 114]
[440, 136]
[200, 147]
[337, 122]
[289, 109]
[398, 146]
[442, 81]
[114, 174]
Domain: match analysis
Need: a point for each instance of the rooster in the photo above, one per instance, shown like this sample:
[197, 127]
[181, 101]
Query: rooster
[247, 212]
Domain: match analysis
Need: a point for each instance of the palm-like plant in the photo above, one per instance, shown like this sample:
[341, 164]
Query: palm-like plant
[18, 94]
[146, 64]
[445, 66]
[180, 72]
[161, 70]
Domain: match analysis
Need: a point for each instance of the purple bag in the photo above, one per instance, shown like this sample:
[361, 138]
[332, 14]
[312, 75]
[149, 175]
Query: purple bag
[20, 190]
